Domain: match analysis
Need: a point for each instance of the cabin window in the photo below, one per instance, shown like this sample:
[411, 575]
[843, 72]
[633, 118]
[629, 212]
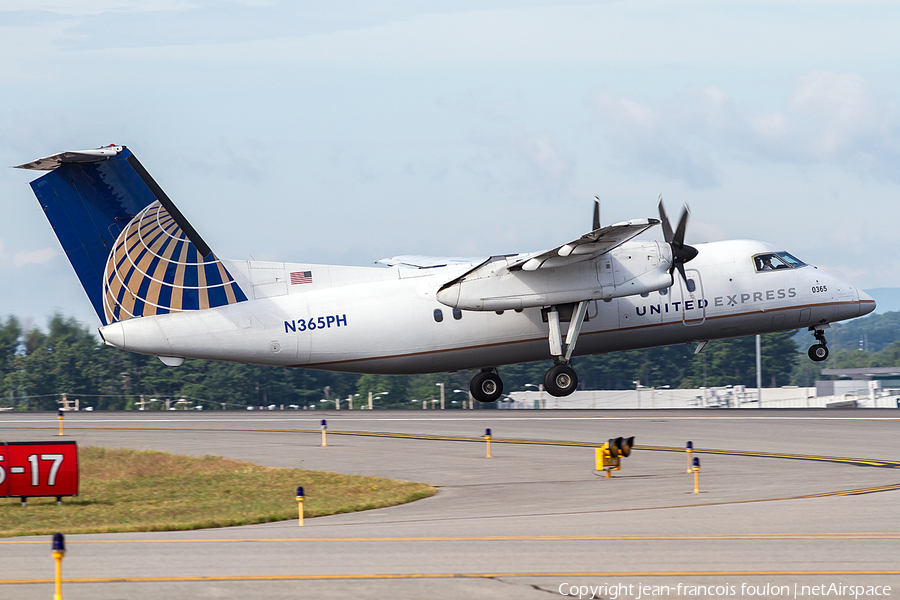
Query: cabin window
[499, 312]
[691, 285]
[457, 314]
[438, 315]
[663, 291]
[645, 294]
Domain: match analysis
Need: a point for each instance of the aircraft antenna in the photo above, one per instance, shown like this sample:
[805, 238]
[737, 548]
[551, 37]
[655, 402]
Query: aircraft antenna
[596, 213]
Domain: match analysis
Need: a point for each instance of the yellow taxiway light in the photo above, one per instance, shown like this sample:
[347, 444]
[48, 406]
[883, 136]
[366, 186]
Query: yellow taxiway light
[59, 550]
[696, 470]
[300, 496]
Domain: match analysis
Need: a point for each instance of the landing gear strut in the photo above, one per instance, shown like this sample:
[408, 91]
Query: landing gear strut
[818, 352]
[486, 386]
[561, 380]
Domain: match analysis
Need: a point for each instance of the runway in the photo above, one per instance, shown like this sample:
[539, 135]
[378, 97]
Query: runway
[788, 499]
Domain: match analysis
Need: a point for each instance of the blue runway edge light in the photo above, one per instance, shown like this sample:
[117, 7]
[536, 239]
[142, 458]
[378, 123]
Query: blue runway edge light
[59, 542]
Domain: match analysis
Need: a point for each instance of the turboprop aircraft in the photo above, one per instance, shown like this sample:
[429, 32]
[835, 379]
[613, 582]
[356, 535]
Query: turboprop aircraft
[159, 289]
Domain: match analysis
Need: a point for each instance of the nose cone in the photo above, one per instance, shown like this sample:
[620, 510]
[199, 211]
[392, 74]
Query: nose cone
[866, 303]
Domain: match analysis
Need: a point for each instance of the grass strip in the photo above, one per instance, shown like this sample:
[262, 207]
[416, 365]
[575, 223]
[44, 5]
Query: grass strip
[143, 490]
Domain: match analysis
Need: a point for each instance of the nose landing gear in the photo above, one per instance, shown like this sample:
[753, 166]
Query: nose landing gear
[818, 352]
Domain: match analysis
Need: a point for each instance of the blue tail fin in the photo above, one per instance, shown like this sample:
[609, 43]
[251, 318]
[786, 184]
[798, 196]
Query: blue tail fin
[133, 251]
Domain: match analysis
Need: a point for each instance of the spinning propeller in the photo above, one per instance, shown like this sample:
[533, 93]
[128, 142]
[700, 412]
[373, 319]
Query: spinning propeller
[681, 252]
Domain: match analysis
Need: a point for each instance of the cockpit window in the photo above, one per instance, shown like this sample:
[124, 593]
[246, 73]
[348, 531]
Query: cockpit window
[791, 260]
[776, 260]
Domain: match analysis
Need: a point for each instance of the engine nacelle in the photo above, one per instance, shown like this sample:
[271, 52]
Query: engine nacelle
[632, 268]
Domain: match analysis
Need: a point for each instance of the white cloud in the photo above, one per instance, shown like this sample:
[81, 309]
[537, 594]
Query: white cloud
[829, 118]
[35, 257]
[542, 152]
[667, 141]
[838, 118]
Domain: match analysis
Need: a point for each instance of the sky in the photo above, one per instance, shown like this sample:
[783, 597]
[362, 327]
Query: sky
[348, 131]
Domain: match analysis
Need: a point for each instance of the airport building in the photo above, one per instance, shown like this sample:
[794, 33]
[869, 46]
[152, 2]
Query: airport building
[877, 387]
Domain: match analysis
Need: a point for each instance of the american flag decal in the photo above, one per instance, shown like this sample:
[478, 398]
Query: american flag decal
[299, 277]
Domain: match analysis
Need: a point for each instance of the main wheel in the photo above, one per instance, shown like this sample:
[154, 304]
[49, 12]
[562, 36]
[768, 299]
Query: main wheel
[560, 380]
[486, 386]
[818, 353]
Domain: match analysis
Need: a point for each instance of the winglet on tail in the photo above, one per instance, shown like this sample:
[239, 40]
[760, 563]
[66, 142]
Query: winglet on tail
[132, 249]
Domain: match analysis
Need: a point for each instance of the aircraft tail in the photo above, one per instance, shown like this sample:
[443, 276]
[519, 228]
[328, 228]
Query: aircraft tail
[132, 249]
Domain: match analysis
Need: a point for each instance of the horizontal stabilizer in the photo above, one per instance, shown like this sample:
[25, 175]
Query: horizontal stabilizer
[48, 163]
[427, 262]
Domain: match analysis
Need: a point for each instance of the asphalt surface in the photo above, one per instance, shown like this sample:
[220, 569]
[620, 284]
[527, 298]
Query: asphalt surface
[821, 509]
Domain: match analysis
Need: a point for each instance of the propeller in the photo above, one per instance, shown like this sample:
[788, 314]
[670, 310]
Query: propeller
[681, 252]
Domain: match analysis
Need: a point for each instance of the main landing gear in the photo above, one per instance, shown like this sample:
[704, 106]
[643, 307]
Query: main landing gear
[560, 380]
[818, 352]
[486, 386]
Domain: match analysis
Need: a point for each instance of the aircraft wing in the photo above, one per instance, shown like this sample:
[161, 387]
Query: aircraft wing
[427, 262]
[588, 246]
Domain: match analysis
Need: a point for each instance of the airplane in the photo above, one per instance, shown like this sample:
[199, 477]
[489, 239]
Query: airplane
[158, 289]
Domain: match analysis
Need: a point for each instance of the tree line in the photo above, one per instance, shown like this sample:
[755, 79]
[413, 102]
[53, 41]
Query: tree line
[38, 365]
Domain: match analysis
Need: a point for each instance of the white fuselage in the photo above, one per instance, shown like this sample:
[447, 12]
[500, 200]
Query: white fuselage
[388, 320]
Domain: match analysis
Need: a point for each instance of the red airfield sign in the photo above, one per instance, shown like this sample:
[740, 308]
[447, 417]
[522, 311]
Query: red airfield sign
[31, 469]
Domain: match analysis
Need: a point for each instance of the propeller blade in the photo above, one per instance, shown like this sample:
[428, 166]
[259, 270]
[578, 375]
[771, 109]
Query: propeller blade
[678, 240]
[596, 213]
[664, 218]
[681, 252]
[680, 266]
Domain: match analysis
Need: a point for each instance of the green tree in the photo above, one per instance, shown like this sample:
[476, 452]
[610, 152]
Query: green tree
[10, 343]
[62, 361]
[733, 362]
[873, 332]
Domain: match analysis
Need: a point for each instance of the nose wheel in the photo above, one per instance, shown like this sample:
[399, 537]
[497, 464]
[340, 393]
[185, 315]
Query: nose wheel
[818, 352]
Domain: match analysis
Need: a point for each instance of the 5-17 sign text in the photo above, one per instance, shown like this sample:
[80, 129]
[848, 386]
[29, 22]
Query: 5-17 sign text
[31, 469]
